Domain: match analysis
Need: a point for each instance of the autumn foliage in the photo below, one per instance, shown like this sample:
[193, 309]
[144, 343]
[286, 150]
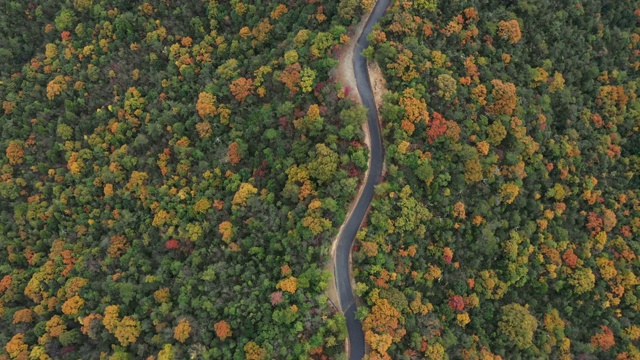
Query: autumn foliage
[510, 30]
[603, 340]
[505, 99]
[241, 88]
[289, 284]
[14, 153]
[223, 330]
[182, 330]
[437, 127]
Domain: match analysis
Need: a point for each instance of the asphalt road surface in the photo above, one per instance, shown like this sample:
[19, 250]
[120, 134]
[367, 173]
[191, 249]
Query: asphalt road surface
[342, 267]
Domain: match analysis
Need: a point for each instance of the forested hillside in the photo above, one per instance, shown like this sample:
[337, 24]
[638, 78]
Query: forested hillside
[171, 176]
[509, 219]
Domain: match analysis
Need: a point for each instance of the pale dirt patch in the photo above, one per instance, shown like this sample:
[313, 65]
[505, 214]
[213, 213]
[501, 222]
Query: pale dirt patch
[378, 83]
[379, 87]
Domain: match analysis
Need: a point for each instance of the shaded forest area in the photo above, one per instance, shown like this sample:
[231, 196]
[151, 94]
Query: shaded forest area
[509, 220]
[172, 174]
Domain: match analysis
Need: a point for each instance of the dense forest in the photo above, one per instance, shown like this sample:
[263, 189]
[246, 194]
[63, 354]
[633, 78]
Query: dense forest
[172, 175]
[509, 219]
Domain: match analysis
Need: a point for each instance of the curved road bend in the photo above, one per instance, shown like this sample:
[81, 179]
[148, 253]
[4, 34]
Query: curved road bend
[342, 267]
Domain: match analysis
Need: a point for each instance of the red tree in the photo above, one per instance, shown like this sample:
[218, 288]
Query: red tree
[456, 303]
[172, 244]
[437, 127]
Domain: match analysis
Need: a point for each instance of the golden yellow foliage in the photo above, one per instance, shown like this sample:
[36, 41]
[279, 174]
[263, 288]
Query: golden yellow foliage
[108, 190]
[56, 87]
[510, 30]
[245, 191]
[182, 331]
[380, 343]
[254, 352]
[206, 105]
[505, 98]
[202, 205]
[161, 295]
[127, 331]
[433, 273]
[16, 347]
[118, 244]
[166, 353]
[14, 153]
[483, 147]
[23, 316]
[226, 229]
[459, 211]
[72, 305]
[435, 352]
[279, 11]
[369, 248]
[55, 326]
[607, 268]
[557, 83]
[289, 284]
[633, 332]
[245, 32]
[110, 319]
[463, 319]
[204, 129]
[509, 191]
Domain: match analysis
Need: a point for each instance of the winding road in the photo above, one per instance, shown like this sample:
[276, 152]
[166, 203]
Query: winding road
[352, 225]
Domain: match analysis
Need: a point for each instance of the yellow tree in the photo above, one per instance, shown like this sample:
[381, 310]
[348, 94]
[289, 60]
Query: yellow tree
[245, 191]
[279, 11]
[383, 319]
[127, 331]
[118, 244]
[56, 87]
[72, 305]
[289, 284]
[161, 295]
[504, 94]
[23, 316]
[307, 76]
[110, 319]
[166, 353]
[509, 191]
[226, 230]
[518, 325]
[510, 30]
[55, 326]
[202, 205]
[414, 110]
[14, 153]
[16, 347]
[254, 352]
[472, 170]
[459, 210]
[206, 105]
[182, 331]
